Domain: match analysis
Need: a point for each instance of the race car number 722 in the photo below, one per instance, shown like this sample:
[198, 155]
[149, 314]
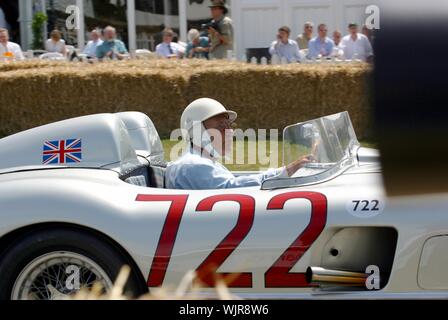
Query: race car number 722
[277, 276]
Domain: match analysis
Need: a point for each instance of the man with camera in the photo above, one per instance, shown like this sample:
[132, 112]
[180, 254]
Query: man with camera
[220, 30]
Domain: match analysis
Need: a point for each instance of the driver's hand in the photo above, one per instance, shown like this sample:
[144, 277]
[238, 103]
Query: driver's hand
[308, 158]
[299, 163]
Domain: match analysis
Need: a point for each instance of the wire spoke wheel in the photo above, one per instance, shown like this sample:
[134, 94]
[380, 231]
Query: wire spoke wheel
[58, 275]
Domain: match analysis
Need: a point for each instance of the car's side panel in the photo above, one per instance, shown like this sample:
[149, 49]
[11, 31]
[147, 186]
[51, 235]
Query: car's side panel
[213, 222]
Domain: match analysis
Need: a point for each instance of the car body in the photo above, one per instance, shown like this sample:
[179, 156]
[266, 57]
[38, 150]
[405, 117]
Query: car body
[68, 185]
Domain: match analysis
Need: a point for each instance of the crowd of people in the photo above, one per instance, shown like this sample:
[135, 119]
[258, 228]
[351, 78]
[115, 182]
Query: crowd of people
[214, 40]
[353, 46]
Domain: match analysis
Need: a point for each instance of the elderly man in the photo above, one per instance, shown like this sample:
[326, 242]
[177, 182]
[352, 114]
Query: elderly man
[197, 168]
[284, 47]
[9, 49]
[356, 45]
[198, 47]
[304, 38]
[90, 49]
[321, 46]
[111, 48]
[337, 51]
[169, 49]
[220, 30]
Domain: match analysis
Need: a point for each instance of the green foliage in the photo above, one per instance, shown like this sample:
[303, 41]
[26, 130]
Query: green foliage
[39, 20]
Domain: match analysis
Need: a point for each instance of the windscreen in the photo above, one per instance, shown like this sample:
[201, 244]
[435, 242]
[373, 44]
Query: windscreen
[329, 140]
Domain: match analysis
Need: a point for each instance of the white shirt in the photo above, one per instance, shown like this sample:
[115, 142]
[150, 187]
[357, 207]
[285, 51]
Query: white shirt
[12, 47]
[289, 50]
[169, 49]
[194, 172]
[90, 49]
[358, 49]
[52, 46]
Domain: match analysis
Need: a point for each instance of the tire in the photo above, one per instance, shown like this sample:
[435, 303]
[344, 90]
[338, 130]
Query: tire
[53, 250]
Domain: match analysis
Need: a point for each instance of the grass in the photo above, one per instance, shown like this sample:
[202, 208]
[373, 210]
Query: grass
[245, 163]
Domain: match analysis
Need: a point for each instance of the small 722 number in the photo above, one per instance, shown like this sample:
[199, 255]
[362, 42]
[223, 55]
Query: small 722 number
[366, 205]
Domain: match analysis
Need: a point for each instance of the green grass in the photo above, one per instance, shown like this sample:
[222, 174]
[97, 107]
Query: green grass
[246, 163]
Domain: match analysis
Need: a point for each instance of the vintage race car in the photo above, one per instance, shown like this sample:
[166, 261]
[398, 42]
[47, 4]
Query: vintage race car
[82, 197]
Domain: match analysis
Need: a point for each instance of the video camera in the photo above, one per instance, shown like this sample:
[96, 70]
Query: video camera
[211, 24]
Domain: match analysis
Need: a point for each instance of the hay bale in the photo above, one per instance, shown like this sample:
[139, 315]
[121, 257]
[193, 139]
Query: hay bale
[39, 92]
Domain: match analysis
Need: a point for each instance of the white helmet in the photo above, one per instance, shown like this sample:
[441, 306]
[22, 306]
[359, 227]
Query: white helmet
[201, 110]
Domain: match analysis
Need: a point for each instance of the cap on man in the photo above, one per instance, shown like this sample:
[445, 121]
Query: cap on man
[220, 30]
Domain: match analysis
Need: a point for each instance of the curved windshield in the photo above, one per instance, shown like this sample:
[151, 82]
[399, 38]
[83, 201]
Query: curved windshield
[331, 140]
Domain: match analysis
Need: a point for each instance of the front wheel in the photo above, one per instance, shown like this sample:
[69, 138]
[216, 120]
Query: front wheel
[52, 264]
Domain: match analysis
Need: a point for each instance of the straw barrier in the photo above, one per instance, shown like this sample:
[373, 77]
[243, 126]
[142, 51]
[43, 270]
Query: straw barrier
[34, 93]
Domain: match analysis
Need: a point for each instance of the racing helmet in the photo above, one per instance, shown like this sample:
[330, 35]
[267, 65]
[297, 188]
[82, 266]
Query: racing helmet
[201, 110]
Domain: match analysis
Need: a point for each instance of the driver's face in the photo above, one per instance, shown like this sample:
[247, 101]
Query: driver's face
[221, 132]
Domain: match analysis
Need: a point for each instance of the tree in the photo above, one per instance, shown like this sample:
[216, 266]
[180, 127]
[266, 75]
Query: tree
[39, 20]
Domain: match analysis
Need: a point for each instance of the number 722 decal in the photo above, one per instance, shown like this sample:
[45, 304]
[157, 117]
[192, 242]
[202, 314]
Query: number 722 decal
[277, 276]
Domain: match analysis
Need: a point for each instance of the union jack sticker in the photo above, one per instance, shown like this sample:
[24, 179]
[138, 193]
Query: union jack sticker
[62, 151]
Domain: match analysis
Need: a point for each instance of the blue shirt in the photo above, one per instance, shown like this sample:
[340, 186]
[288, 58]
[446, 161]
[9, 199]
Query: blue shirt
[317, 47]
[107, 46]
[290, 50]
[193, 172]
[203, 43]
[90, 49]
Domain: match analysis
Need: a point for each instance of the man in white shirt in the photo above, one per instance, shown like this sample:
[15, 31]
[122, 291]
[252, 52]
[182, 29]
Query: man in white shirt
[356, 45]
[284, 47]
[9, 49]
[168, 48]
[90, 49]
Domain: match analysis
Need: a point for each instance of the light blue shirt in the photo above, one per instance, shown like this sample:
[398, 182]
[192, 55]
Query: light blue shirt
[290, 50]
[318, 47]
[193, 172]
[203, 43]
[110, 45]
[90, 49]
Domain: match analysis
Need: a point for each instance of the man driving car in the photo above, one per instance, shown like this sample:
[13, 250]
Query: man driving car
[207, 128]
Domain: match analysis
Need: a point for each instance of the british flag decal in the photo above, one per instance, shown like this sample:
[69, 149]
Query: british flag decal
[62, 151]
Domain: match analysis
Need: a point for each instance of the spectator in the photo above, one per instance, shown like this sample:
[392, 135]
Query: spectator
[90, 49]
[198, 47]
[9, 49]
[356, 45]
[321, 46]
[111, 47]
[220, 30]
[368, 33]
[284, 47]
[337, 51]
[168, 48]
[305, 37]
[337, 37]
[56, 43]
